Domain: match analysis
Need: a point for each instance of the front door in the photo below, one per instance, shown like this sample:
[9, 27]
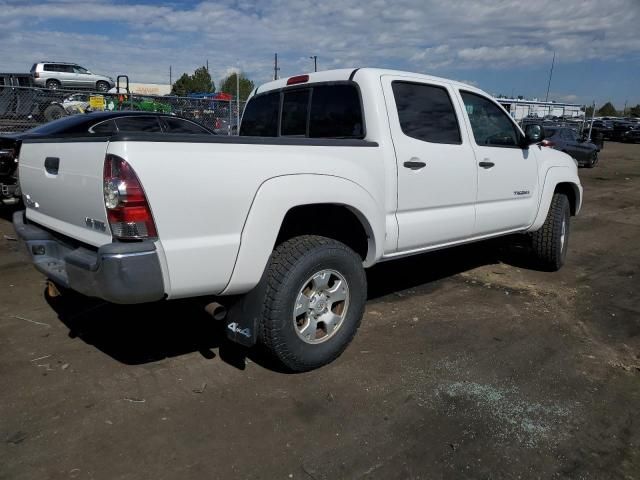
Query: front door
[435, 162]
[507, 173]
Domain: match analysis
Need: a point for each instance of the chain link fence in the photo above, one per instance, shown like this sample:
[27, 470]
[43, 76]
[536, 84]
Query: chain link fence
[22, 108]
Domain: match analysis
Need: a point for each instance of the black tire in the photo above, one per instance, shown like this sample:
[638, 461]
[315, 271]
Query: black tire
[53, 84]
[550, 242]
[53, 112]
[593, 159]
[102, 86]
[292, 265]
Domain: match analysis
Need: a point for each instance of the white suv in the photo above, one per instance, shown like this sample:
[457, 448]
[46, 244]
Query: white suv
[55, 75]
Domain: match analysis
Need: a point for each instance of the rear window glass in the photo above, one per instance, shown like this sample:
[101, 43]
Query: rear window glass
[335, 112]
[295, 106]
[138, 124]
[105, 128]
[260, 118]
[426, 112]
[177, 125]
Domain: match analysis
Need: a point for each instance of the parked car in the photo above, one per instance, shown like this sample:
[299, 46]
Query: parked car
[98, 124]
[603, 127]
[620, 128]
[56, 75]
[632, 136]
[333, 172]
[566, 140]
[27, 105]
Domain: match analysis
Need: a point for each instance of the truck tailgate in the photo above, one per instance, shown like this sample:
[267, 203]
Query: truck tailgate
[62, 184]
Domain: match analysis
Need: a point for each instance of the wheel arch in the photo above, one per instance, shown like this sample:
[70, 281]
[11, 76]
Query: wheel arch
[279, 210]
[558, 180]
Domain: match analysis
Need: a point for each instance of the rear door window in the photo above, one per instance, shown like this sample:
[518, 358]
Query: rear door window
[104, 128]
[426, 112]
[177, 125]
[295, 108]
[138, 124]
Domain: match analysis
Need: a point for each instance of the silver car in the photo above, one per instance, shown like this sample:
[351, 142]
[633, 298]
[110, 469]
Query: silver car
[55, 75]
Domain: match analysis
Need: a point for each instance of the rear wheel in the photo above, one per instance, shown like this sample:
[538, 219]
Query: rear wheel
[550, 242]
[593, 159]
[53, 112]
[53, 84]
[315, 298]
[102, 86]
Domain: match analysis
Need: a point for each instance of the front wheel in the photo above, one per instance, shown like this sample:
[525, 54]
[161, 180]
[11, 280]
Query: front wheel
[550, 242]
[593, 159]
[315, 298]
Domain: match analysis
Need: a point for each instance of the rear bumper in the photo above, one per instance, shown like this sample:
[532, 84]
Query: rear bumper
[116, 272]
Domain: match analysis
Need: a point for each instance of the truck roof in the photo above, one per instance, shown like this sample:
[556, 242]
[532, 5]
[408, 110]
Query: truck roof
[356, 74]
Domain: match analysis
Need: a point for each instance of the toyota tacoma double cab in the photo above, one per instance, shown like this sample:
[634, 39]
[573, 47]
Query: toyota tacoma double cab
[332, 173]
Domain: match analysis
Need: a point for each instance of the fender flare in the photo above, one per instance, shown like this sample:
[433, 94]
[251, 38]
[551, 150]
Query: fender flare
[554, 177]
[275, 197]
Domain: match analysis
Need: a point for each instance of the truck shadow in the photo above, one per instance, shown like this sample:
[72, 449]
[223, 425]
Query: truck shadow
[139, 334]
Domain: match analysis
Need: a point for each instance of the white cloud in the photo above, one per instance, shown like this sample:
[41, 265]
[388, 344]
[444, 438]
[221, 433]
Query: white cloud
[421, 35]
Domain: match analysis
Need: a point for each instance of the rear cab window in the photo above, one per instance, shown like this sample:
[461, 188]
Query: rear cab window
[316, 110]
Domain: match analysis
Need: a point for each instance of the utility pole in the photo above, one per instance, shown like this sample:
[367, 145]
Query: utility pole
[207, 66]
[550, 75]
[275, 67]
[315, 62]
[624, 111]
[170, 82]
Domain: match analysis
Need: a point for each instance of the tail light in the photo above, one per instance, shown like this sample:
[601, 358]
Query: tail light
[547, 143]
[218, 123]
[36, 75]
[128, 210]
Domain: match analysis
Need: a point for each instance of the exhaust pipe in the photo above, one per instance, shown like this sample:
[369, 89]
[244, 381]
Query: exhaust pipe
[217, 311]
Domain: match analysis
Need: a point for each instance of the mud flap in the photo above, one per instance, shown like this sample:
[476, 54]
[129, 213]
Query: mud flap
[245, 314]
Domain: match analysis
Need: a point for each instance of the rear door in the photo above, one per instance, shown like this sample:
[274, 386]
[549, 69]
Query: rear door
[507, 173]
[435, 162]
[62, 184]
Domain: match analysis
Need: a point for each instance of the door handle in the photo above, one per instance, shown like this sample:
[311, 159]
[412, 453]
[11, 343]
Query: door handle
[486, 165]
[414, 165]
[51, 165]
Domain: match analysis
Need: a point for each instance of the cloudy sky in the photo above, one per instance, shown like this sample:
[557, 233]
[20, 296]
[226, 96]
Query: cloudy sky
[502, 46]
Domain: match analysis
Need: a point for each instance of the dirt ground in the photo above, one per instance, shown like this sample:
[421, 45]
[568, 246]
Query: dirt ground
[468, 364]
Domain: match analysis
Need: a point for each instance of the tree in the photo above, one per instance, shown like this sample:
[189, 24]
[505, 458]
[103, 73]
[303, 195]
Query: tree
[199, 82]
[607, 110]
[635, 111]
[228, 85]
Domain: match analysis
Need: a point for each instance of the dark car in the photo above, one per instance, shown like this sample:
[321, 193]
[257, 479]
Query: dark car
[620, 128]
[632, 136]
[603, 128]
[25, 106]
[566, 140]
[92, 124]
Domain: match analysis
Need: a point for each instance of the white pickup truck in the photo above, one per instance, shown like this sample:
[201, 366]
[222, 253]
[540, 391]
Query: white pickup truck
[332, 172]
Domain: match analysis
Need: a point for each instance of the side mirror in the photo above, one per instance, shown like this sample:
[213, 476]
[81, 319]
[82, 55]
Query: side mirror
[533, 133]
